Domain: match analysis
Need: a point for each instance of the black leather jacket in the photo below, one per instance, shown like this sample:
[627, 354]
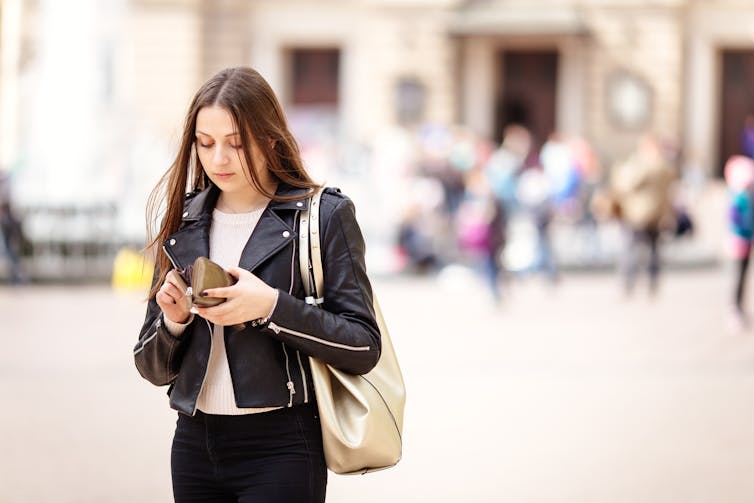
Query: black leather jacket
[268, 364]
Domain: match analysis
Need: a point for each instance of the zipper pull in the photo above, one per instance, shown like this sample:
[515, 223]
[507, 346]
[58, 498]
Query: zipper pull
[291, 392]
[273, 327]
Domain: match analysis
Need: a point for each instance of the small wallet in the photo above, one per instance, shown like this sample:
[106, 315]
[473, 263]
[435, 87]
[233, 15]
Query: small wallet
[202, 275]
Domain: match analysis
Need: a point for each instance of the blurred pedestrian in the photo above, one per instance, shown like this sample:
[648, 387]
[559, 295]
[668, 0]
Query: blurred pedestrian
[506, 163]
[415, 242]
[591, 178]
[11, 233]
[481, 231]
[562, 171]
[642, 186]
[739, 176]
[248, 426]
[535, 198]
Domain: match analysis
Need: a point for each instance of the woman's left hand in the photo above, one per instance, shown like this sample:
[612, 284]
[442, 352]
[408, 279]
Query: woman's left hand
[250, 298]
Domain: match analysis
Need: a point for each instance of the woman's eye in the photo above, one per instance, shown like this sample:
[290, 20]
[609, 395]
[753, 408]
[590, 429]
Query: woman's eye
[210, 145]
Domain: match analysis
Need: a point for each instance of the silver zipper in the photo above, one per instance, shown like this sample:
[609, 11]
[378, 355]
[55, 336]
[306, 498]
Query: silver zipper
[303, 377]
[277, 329]
[289, 384]
[196, 403]
[157, 326]
[209, 326]
[144, 343]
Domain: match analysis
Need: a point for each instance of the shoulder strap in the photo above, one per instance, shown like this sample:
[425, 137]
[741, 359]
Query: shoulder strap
[303, 253]
[310, 254]
[319, 277]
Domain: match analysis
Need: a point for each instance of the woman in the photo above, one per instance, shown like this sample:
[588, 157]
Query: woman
[247, 426]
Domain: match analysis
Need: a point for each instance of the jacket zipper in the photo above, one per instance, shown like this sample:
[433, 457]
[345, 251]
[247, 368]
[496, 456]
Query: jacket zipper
[277, 329]
[209, 326]
[290, 292]
[204, 378]
[303, 377]
[289, 384]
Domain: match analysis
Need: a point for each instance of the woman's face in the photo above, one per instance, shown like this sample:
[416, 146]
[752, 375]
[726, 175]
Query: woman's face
[220, 149]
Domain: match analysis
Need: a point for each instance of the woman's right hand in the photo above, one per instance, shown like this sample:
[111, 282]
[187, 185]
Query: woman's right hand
[172, 299]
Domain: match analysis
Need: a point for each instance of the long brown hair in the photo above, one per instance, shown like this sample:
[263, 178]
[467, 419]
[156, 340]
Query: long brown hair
[256, 114]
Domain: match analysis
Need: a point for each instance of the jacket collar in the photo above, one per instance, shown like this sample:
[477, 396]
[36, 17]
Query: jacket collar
[271, 234]
[203, 202]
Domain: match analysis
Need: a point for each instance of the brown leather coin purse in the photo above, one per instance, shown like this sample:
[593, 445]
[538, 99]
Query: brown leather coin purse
[202, 275]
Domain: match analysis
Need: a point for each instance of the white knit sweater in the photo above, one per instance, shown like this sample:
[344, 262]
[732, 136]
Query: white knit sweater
[228, 236]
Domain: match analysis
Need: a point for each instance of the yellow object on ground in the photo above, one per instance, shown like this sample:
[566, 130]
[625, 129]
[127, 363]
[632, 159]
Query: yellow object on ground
[131, 270]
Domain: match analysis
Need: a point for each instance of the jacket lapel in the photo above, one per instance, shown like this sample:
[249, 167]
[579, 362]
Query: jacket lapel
[191, 240]
[273, 232]
[269, 236]
[185, 245]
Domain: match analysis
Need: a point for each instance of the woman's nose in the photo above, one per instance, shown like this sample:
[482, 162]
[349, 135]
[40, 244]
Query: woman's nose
[219, 156]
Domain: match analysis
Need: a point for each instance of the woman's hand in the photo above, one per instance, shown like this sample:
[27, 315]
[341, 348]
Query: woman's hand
[172, 299]
[250, 298]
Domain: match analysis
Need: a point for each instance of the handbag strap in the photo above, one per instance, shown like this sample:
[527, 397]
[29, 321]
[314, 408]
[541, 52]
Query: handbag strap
[319, 277]
[303, 254]
[310, 254]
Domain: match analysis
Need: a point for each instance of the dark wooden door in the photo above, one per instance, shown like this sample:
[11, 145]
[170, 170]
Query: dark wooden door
[736, 101]
[315, 76]
[527, 92]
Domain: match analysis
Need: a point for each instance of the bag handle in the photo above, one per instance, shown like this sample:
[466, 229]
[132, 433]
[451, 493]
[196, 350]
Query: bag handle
[310, 253]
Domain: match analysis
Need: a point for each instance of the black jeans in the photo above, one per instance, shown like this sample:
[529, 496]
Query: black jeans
[263, 458]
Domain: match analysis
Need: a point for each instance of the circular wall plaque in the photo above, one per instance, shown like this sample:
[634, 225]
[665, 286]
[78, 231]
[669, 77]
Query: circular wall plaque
[629, 100]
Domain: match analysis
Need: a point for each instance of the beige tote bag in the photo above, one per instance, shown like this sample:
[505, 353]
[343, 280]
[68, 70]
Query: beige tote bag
[361, 415]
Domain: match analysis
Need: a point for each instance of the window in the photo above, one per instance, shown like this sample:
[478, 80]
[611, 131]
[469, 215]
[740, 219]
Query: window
[315, 76]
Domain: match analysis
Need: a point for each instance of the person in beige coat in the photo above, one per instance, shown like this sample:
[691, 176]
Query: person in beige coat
[642, 187]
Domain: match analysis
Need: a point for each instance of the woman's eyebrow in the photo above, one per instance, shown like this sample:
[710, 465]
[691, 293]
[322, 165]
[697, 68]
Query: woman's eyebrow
[205, 134]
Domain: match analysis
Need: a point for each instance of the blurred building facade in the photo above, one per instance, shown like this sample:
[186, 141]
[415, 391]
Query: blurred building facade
[603, 69]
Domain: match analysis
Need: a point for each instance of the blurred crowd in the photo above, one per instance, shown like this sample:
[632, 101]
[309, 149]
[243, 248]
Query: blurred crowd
[471, 195]
[463, 201]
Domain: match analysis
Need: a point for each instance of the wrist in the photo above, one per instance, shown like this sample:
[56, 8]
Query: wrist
[176, 328]
[273, 300]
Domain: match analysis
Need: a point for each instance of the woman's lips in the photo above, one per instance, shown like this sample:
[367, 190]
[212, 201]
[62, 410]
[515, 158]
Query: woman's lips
[223, 176]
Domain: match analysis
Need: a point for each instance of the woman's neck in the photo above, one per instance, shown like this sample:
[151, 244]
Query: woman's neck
[244, 202]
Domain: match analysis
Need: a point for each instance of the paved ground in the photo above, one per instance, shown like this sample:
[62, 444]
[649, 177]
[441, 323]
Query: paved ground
[571, 395]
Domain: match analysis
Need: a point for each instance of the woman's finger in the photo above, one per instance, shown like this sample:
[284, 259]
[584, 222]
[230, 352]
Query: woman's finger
[237, 272]
[219, 310]
[224, 293]
[174, 292]
[171, 281]
[164, 298]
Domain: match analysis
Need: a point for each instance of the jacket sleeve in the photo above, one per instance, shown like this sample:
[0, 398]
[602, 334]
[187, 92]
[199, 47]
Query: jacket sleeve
[343, 332]
[158, 354]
